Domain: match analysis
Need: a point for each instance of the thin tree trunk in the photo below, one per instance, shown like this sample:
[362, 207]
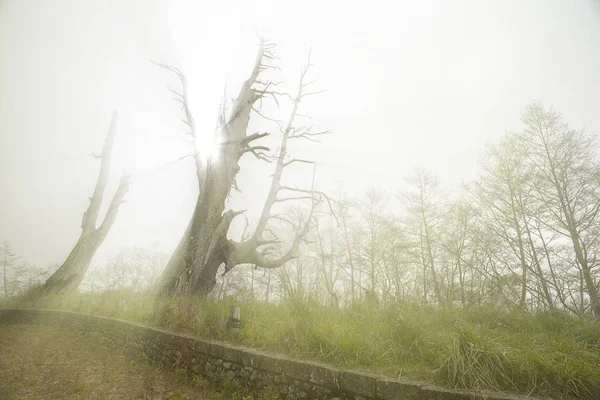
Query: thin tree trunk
[4, 279]
[521, 250]
[538, 268]
[590, 285]
[69, 276]
[350, 260]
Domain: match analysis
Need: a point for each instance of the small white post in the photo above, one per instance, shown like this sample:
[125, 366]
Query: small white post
[234, 319]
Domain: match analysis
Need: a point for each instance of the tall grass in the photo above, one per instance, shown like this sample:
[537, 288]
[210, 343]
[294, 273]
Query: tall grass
[549, 353]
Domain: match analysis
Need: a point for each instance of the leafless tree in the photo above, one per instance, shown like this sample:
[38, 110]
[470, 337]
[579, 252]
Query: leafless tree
[134, 269]
[457, 248]
[500, 193]
[424, 216]
[204, 246]
[348, 261]
[568, 184]
[68, 277]
[8, 257]
[330, 272]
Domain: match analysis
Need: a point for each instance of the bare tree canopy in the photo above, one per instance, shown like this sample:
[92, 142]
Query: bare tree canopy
[205, 246]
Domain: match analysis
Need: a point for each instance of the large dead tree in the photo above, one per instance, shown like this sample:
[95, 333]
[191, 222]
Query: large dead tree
[68, 277]
[205, 246]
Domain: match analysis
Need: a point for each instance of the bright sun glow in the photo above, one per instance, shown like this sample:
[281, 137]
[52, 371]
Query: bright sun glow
[207, 147]
[230, 58]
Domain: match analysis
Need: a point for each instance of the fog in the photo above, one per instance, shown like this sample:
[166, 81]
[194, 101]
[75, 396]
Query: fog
[409, 189]
[407, 84]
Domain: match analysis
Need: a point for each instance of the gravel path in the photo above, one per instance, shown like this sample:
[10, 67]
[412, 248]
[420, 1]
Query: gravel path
[49, 363]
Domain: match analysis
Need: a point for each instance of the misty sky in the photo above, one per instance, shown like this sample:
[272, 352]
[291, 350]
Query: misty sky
[408, 83]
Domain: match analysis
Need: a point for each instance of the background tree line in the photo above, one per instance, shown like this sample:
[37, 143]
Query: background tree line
[134, 269]
[18, 276]
[523, 235]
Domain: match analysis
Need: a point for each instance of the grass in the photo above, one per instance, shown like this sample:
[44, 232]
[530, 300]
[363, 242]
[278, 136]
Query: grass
[551, 353]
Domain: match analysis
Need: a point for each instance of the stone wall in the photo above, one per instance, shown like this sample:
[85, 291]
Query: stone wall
[243, 367]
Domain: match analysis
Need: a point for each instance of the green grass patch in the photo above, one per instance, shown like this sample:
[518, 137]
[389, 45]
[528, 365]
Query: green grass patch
[550, 353]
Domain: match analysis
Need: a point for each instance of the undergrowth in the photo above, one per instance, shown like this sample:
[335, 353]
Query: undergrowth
[549, 353]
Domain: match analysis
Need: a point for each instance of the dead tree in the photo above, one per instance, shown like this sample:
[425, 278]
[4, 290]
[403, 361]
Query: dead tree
[68, 277]
[502, 194]
[204, 246]
[568, 173]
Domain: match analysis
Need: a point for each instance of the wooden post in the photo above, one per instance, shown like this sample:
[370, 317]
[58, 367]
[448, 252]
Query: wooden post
[234, 319]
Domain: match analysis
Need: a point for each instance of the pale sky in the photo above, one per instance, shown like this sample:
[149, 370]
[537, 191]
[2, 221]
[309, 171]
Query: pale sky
[408, 83]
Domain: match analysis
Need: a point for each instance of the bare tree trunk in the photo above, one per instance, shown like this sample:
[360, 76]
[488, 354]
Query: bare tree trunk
[268, 288]
[252, 282]
[68, 277]
[582, 260]
[521, 253]
[461, 280]
[423, 267]
[4, 272]
[538, 269]
[426, 238]
[204, 246]
[4, 278]
[202, 249]
[344, 220]
[328, 275]
[559, 289]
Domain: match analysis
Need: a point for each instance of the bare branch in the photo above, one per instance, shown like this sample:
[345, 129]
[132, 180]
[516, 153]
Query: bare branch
[181, 97]
[313, 93]
[255, 136]
[170, 68]
[279, 123]
[285, 164]
[255, 150]
[317, 192]
[252, 250]
[284, 94]
[292, 199]
[175, 92]
[113, 208]
[310, 135]
[280, 218]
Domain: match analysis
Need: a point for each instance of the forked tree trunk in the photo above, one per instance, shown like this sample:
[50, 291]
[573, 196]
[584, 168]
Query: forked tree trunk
[193, 266]
[204, 246]
[69, 276]
[202, 249]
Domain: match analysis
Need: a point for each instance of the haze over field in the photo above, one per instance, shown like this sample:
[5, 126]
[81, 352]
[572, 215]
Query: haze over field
[410, 189]
[408, 83]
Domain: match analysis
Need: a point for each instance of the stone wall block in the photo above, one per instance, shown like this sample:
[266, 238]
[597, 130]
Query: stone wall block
[250, 368]
[362, 383]
[393, 389]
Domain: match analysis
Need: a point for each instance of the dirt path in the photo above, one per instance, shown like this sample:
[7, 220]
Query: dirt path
[49, 363]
